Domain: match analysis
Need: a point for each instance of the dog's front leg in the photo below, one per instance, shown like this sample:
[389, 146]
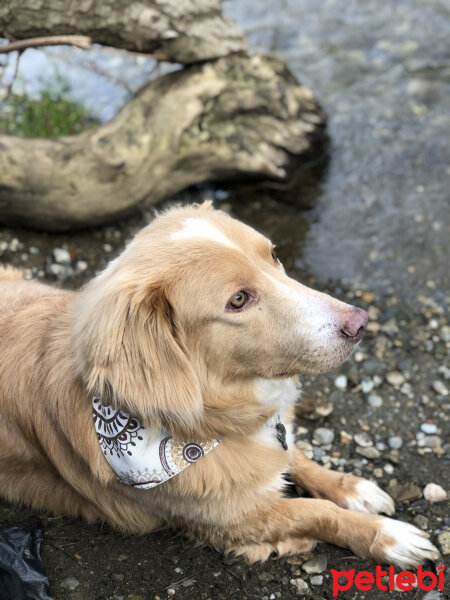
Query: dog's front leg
[343, 489]
[292, 525]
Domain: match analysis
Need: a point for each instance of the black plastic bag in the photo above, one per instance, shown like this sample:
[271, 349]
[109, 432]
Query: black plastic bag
[22, 574]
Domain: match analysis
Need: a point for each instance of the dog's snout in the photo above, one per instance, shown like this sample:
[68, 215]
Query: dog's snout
[355, 325]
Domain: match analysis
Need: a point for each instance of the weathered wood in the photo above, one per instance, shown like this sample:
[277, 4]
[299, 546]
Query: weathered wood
[232, 118]
[184, 31]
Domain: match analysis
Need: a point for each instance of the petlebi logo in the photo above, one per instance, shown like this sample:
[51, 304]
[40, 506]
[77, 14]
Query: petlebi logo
[403, 581]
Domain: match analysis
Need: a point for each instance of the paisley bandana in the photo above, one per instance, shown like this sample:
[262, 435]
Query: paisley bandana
[140, 457]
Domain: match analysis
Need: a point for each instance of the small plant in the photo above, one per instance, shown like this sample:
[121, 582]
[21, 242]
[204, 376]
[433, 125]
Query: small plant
[52, 114]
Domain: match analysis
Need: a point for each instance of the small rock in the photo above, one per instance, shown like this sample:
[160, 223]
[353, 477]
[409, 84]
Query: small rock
[300, 585]
[346, 438]
[316, 580]
[295, 560]
[395, 442]
[265, 577]
[430, 441]
[434, 493]
[440, 388]
[107, 248]
[117, 577]
[323, 435]
[405, 492]
[390, 327]
[421, 521]
[428, 428]
[341, 382]
[171, 592]
[369, 452]
[375, 401]
[433, 595]
[57, 270]
[378, 473]
[318, 564]
[61, 256]
[363, 439]
[444, 541]
[70, 583]
[367, 385]
[395, 378]
[33, 250]
[373, 367]
[81, 266]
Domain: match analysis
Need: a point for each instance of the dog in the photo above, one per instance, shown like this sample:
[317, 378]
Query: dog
[162, 393]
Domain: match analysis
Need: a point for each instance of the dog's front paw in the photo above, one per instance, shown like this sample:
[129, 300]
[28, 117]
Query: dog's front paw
[366, 496]
[402, 544]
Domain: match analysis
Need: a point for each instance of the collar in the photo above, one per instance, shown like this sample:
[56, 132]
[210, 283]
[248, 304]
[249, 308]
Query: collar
[141, 457]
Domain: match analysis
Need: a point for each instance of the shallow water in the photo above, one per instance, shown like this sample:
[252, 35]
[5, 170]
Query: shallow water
[381, 216]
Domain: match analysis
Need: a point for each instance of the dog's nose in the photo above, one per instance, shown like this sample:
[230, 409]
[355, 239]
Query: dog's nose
[355, 325]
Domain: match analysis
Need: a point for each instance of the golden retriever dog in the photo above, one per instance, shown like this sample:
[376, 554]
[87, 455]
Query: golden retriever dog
[187, 347]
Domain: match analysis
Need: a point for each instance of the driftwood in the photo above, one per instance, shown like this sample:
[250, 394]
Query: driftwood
[227, 119]
[184, 31]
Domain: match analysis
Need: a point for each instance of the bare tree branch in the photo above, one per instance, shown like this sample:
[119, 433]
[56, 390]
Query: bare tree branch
[81, 41]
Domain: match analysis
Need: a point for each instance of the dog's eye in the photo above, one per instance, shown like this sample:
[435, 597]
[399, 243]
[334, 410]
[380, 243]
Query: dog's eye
[239, 299]
[274, 256]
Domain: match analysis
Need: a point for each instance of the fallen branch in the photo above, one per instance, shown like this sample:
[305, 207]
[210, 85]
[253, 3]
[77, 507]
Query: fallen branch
[81, 41]
[230, 119]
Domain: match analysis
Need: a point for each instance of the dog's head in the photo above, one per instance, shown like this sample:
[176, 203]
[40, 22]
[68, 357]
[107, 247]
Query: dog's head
[198, 296]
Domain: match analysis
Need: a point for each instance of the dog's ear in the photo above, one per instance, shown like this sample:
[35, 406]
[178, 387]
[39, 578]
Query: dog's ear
[132, 353]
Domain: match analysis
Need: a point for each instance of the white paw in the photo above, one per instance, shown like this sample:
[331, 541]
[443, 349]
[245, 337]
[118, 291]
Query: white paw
[411, 546]
[370, 498]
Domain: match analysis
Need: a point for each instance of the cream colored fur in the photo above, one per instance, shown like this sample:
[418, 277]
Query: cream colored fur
[156, 335]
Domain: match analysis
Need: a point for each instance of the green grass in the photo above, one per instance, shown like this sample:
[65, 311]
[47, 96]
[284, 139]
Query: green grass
[52, 115]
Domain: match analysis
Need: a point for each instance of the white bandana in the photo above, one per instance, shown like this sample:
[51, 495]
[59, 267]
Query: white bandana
[139, 457]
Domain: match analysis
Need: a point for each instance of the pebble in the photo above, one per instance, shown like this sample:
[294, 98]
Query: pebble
[57, 270]
[369, 452]
[117, 577]
[61, 256]
[444, 541]
[421, 521]
[300, 585]
[70, 583]
[434, 493]
[367, 385]
[363, 439]
[405, 492]
[430, 441]
[318, 564]
[375, 401]
[395, 442]
[395, 378]
[81, 267]
[428, 428]
[341, 382]
[33, 250]
[265, 577]
[316, 580]
[433, 595]
[440, 388]
[171, 592]
[323, 435]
